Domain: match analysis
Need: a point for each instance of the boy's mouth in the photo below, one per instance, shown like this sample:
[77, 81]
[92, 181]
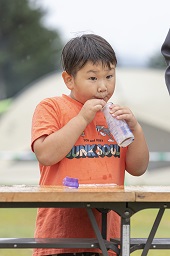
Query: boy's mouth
[102, 97]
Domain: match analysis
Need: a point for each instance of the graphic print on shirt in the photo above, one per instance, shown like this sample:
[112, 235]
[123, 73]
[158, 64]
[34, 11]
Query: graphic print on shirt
[97, 149]
[105, 131]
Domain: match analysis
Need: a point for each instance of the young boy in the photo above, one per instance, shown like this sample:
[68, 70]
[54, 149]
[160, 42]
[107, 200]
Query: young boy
[70, 138]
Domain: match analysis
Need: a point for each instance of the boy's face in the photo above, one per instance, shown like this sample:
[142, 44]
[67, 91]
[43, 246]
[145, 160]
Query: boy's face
[93, 81]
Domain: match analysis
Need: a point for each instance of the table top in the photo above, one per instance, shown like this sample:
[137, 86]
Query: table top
[85, 193]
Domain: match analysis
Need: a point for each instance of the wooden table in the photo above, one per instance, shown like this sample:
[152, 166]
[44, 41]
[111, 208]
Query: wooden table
[124, 200]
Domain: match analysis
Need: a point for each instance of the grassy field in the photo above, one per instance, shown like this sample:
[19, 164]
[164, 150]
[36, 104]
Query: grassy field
[20, 223]
[4, 105]
[17, 223]
[141, 224]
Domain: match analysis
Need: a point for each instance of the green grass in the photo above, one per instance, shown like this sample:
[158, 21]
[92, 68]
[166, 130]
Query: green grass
[4, 105]
[21, 223]
[141, 224]
[17, 223]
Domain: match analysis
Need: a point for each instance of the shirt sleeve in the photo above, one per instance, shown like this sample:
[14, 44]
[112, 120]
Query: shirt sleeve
[45, 120]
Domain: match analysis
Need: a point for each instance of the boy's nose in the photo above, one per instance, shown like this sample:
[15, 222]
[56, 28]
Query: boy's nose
[102, 87]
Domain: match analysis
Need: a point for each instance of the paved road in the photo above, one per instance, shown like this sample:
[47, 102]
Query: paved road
[19, 172]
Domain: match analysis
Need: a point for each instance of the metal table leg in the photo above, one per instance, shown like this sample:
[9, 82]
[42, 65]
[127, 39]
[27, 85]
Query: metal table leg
[125, 235]
[153, 232]
[97, 231]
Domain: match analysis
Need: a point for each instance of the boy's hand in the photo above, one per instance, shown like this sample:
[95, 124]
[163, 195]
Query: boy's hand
[90, 108]
[125, 113]
[137, 155]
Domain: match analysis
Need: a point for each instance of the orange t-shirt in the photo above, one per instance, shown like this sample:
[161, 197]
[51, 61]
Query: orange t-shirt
[95, 158]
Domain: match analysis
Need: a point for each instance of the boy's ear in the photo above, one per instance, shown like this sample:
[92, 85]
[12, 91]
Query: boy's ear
[68, 80]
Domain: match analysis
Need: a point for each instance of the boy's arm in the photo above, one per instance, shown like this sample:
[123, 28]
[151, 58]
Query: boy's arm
[137, 156]
[51, 149]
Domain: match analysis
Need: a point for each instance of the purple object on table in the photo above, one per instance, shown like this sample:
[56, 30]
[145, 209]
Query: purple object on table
[70, 182]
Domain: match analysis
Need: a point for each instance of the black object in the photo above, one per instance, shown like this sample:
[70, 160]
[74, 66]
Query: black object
[165, 49]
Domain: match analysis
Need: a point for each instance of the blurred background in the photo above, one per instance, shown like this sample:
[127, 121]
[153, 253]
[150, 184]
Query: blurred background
[32, 34]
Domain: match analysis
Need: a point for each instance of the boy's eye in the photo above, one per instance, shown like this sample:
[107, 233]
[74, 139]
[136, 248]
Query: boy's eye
[93, 78]
[109, 77]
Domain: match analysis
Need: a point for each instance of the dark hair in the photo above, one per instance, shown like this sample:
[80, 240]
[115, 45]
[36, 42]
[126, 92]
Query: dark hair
[88, 47]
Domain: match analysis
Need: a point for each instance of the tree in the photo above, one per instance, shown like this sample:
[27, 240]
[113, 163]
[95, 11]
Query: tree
[28, 50]
[157, 61]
